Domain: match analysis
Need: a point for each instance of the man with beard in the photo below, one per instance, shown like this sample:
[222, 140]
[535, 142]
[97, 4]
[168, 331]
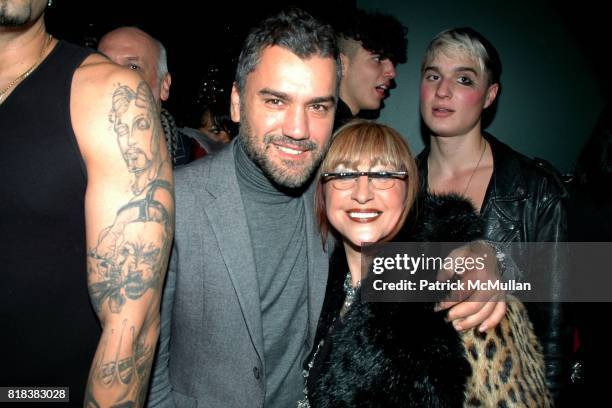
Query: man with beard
[78, 192]
[247, 276]
[248, 269]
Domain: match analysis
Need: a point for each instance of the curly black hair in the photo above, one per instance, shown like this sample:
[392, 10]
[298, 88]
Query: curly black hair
[379, 33]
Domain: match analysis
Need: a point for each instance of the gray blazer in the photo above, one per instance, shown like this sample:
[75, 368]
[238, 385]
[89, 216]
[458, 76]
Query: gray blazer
[211, 352]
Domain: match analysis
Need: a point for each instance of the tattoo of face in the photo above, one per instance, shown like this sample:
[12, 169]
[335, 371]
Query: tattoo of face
[134, 265]
[135, 122]
[131, 254]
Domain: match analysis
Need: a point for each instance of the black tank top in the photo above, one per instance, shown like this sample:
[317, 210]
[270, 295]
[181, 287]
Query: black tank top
[48, 330]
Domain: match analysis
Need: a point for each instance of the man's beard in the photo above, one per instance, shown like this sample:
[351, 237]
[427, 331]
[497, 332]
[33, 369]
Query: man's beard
[136, 160]
[17, 18]
[282, 176]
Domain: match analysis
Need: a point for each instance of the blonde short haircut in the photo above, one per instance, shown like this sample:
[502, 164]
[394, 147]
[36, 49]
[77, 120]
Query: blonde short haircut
[467, 41]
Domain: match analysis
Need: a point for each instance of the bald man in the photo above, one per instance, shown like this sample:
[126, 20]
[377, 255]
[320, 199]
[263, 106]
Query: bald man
[139, 51]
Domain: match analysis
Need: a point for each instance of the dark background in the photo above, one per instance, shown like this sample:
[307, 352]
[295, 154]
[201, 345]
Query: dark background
[198, 36]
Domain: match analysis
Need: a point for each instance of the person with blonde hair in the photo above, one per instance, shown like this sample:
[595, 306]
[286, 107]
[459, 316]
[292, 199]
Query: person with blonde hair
[519, 199]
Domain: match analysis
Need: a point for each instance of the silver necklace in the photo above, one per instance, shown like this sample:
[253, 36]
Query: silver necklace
[476, 168]
[350, 291]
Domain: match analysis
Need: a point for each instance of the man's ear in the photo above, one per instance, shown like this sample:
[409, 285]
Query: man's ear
[164, 92]
[235, 104]
[491, 95]
[344, 60]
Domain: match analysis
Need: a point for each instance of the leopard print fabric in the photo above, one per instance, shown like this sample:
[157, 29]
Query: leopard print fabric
[507, 364]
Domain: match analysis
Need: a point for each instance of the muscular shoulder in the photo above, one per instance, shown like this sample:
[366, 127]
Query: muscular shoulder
[96, 77]
[93, 100]
[93, 86]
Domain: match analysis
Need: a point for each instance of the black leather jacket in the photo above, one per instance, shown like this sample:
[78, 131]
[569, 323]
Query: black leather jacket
[525, 202]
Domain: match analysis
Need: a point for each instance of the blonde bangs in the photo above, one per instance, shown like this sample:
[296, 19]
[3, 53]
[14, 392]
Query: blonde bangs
[364, 143]
[361, 143]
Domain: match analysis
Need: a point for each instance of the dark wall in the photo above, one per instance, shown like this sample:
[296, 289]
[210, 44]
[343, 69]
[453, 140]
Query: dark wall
[556, 74]
[195, 36]
[555, 69]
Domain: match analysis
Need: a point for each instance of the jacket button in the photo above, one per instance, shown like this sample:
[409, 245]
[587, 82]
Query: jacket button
[256, 373]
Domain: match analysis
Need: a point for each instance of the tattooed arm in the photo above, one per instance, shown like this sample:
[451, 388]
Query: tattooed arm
[129, 207]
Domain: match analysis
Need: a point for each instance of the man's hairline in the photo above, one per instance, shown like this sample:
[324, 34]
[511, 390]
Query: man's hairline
[161, 59]
[359, 43]
[314, 54]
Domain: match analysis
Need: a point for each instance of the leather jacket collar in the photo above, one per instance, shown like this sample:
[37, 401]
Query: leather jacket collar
[507, 183]
[508, 180]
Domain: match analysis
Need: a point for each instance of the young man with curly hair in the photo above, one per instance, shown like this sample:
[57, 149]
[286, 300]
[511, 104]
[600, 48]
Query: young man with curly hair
[371, 45]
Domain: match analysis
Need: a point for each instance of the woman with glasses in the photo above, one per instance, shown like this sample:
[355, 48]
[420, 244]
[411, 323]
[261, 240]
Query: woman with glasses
[379, 354]
[366, 187]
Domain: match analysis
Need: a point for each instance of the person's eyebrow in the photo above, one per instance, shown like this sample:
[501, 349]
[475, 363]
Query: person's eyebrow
[285, 97]
[469, 69]
[276, 94]
[456, 69]
[323, 99]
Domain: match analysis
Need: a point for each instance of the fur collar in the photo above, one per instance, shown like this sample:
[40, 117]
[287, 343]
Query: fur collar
[396, 354]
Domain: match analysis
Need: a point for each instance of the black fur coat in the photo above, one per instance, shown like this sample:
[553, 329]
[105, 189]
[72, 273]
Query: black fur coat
[394, 354]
